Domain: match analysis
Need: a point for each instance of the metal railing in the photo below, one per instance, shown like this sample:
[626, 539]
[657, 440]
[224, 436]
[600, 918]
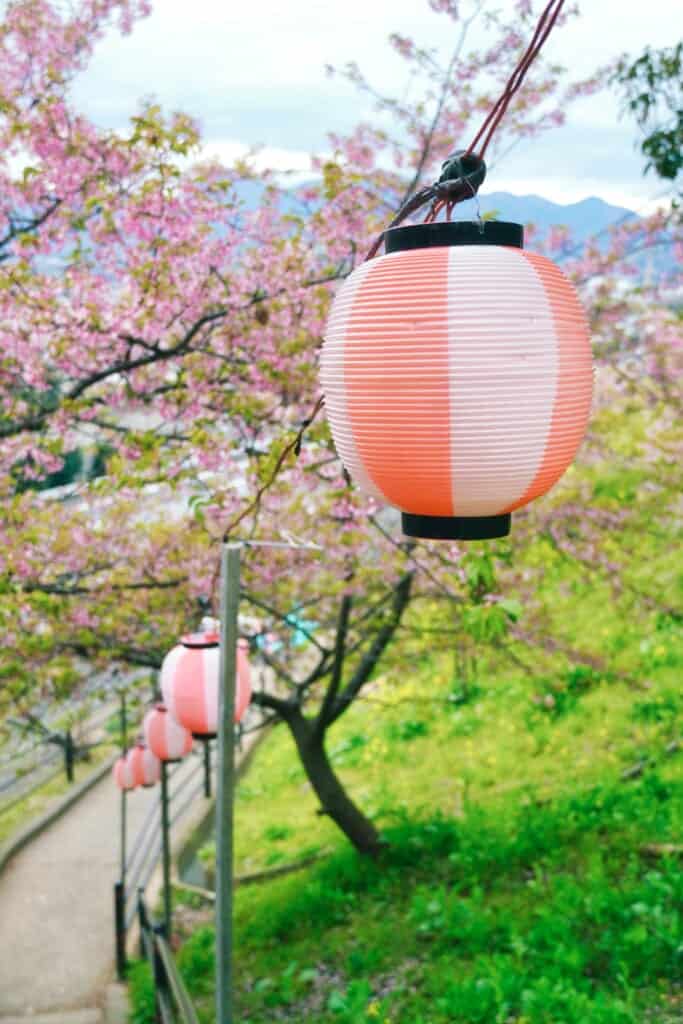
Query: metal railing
[173, 1003]
[145, 853]
[32, 765]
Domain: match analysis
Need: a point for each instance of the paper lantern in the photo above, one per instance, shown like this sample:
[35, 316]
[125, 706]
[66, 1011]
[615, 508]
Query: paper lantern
[123, 774]
[190, 683]
[145, 766]
[457, 376]
[165, 737]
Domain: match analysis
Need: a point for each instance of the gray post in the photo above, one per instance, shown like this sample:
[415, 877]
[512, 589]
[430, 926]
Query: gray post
[120, 929]
[207, 768]
[124, 743]
[166, 850]
[230, 595]
[69, 756]
[120, 887]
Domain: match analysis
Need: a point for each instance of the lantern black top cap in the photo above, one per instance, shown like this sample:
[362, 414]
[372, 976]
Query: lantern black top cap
[456, 232]
[201, 640]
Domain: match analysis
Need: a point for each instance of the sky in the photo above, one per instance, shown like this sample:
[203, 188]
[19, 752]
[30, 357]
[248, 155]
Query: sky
[253, 73]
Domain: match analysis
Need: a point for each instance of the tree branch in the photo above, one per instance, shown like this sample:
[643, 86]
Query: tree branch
[379, 644]
[285, 618]
[337, 668]
[284, 708]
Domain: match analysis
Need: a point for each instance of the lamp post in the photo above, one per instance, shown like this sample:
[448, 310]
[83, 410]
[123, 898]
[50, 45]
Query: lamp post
[230, 593]
[229, 671]
[166, 851]
[207, 769]
[124, 743]
[168, 741]
[124, 779]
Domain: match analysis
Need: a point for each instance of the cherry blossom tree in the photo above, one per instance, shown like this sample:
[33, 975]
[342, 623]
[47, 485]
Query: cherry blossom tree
[151, 320]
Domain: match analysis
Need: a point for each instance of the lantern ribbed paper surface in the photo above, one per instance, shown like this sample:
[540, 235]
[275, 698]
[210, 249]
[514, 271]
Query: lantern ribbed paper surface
[189, 682]
[144, 765]
[457, 377]
[167, 740]
[123, 774]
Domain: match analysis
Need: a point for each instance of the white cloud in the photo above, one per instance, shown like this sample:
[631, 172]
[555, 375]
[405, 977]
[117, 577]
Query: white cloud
[254, 73]
[294, 163]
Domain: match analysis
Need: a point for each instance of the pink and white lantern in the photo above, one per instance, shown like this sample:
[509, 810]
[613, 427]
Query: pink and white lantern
[145, 766]
[123, 774]
[190, 682]
[457, 376]
[166, 738]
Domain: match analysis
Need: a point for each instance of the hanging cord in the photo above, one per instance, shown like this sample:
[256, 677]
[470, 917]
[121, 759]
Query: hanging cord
[464, 171]
[543, 29]
[292, 446]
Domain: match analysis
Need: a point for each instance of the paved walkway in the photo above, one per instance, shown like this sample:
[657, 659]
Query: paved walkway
[56, 909]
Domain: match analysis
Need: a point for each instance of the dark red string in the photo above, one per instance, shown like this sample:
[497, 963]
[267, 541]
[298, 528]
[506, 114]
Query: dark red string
[544, 27]
[447, 194]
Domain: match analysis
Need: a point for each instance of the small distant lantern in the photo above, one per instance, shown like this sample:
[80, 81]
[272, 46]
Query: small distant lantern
[190, 683]
[145, 766]
[166, 738]
[123, 774]
[457, 376]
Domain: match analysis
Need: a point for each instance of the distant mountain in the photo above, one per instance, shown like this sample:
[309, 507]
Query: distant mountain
[584, 219]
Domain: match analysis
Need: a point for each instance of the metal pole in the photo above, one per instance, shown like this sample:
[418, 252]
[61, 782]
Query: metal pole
[230, 594]
[207, 768]
[166, 848]
[120, 887]
[69, 756]
[120, 929]
[124, 743]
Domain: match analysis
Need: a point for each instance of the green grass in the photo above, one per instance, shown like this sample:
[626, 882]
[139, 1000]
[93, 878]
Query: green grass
[515, 887]
[547, 913]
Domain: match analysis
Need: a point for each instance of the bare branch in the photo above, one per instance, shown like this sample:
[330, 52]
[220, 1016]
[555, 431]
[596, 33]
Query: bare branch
[337, 667]
[372, 656]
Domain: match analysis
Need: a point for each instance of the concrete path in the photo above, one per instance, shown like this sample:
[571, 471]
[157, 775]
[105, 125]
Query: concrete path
[56, 910]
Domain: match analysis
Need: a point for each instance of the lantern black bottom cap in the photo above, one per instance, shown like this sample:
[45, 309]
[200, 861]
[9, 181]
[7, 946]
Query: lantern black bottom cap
[455, 527]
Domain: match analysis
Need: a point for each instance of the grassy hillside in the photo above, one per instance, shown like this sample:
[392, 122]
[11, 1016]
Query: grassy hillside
[520, 882]
[532, 801]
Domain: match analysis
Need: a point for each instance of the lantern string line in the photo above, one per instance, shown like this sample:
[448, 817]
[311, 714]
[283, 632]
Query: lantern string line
[293, 446]
[464, 171]
[545, 26]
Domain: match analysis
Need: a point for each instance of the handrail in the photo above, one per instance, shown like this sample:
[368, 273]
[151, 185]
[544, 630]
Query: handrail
[151, 852]
[31, 766]
[145, 853]
[153, 815]
[53, 770]
[144, 841]
[152, 819]
[176, 983]
[146, 866]
[142, 884]
[167, 979]
[190, 799]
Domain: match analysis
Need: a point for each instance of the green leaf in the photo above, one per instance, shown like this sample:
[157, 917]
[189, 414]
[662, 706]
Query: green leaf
[512, 608]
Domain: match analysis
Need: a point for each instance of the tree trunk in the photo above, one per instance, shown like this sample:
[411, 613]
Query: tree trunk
[333, 797]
